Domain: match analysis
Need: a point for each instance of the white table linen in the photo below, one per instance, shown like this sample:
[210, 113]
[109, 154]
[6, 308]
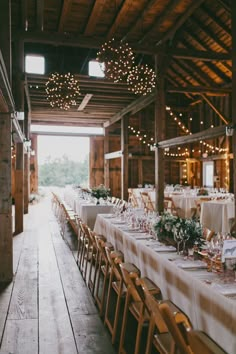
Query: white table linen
[215, 215]
[207, 309]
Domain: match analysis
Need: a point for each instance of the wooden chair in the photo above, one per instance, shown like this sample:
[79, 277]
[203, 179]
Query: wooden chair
[116, 285]
[103, 268]
[158, 334]
[176, 323]
[170, 207]
[132, 198]
[201, 343]
[147, 203]
[134, 304]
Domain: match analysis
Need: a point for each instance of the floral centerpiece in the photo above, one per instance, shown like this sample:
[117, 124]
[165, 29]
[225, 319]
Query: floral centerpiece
[100, 192]
[168, 223]
[202, 191]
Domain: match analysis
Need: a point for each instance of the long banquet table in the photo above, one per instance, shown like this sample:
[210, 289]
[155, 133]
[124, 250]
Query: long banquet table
[206, 307]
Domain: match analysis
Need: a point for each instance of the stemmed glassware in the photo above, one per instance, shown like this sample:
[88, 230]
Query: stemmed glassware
[185, 237]
[178, 237]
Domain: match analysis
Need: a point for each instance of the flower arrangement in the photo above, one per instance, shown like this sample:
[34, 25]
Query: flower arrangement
[100, 192]
[168, 223]
[202, 191]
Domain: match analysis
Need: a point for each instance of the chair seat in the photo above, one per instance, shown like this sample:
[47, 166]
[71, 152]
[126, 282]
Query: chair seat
[163, 342]
[136, 308]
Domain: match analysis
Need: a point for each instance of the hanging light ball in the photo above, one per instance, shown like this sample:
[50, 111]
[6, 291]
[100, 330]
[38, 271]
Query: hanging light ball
[118, 58]
[62, 90]
[141, 79]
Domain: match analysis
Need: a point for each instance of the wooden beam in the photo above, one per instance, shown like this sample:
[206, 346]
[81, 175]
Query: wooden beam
[124, 158]
[5, 36]
[225, 6]
[200, 89]
[40, 17]
[133, 108]
[216, 19]
[24, 15]
[233, 14]
[160, 131]
[85, 101]
[187, 139]
[106, 161]
[26, 187]
[160, 19]
[7, 101]
[121, 13]
[6, 251]
[180, 21]
[94, 17]
[64, 14]
[138, 22]
[19, 191]
[215, 109]
[190, 54]
[113, 155]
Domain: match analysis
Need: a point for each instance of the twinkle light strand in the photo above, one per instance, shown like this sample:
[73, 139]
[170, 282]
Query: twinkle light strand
[62, 90]
[118, 58]
[141, 80]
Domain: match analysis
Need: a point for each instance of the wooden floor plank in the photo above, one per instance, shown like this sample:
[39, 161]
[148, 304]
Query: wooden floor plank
[55, 332]
[20, 336]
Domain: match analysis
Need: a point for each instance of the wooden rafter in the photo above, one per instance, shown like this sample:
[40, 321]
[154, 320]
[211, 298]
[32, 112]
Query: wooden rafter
[133, 107]
[182, 19]
[24, 15]
[160, 20]
[187, 139]
[210, 34]
[139, 19]
[194, 69]
[215, 109]
[119, 17]
[64, 14]
[40, 18]
[225, 6]
[200, 89]
[211, 66]
[217, 20]
[94, 17]
[191, 54]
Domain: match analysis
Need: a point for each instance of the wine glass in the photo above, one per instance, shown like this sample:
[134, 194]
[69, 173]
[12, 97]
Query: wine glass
[185, 238]
[178, 237]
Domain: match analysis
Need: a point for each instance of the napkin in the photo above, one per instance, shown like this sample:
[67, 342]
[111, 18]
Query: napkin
[164, 248]
[188, 264]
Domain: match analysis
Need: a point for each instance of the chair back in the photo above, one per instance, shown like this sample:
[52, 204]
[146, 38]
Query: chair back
[147, 203]
[174, 322]
[201, 343]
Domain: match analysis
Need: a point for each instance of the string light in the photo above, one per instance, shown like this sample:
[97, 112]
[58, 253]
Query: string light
[141, 80]
[62, 90]
[118, 58]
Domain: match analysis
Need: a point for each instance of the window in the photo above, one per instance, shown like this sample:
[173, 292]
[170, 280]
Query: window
[35, 64]
[208, 174]
[96, 69]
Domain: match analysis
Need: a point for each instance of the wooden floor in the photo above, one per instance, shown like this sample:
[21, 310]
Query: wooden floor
[48, 309]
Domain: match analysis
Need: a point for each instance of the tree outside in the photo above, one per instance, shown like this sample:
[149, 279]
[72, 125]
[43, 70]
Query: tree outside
[63, 171]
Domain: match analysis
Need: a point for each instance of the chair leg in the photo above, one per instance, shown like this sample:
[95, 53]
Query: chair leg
[124, 324]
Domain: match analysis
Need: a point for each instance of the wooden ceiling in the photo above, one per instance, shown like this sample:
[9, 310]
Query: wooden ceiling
[193, 36]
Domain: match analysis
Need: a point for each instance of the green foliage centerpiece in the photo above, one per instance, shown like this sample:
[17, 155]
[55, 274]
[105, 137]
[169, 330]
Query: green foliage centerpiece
[100, 192]
[168, 224]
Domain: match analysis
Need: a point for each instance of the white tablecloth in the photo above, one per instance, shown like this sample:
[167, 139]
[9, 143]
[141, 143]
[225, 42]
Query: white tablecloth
[207, 309]
[86, 210]
[215, 215]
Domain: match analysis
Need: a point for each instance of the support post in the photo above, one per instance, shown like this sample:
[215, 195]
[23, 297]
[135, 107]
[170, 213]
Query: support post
[6, 252]
[124, 158]
[160, 128]
[106, 161]
[19, 191]
[26, 183]
[233, 25]
[5, 36]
